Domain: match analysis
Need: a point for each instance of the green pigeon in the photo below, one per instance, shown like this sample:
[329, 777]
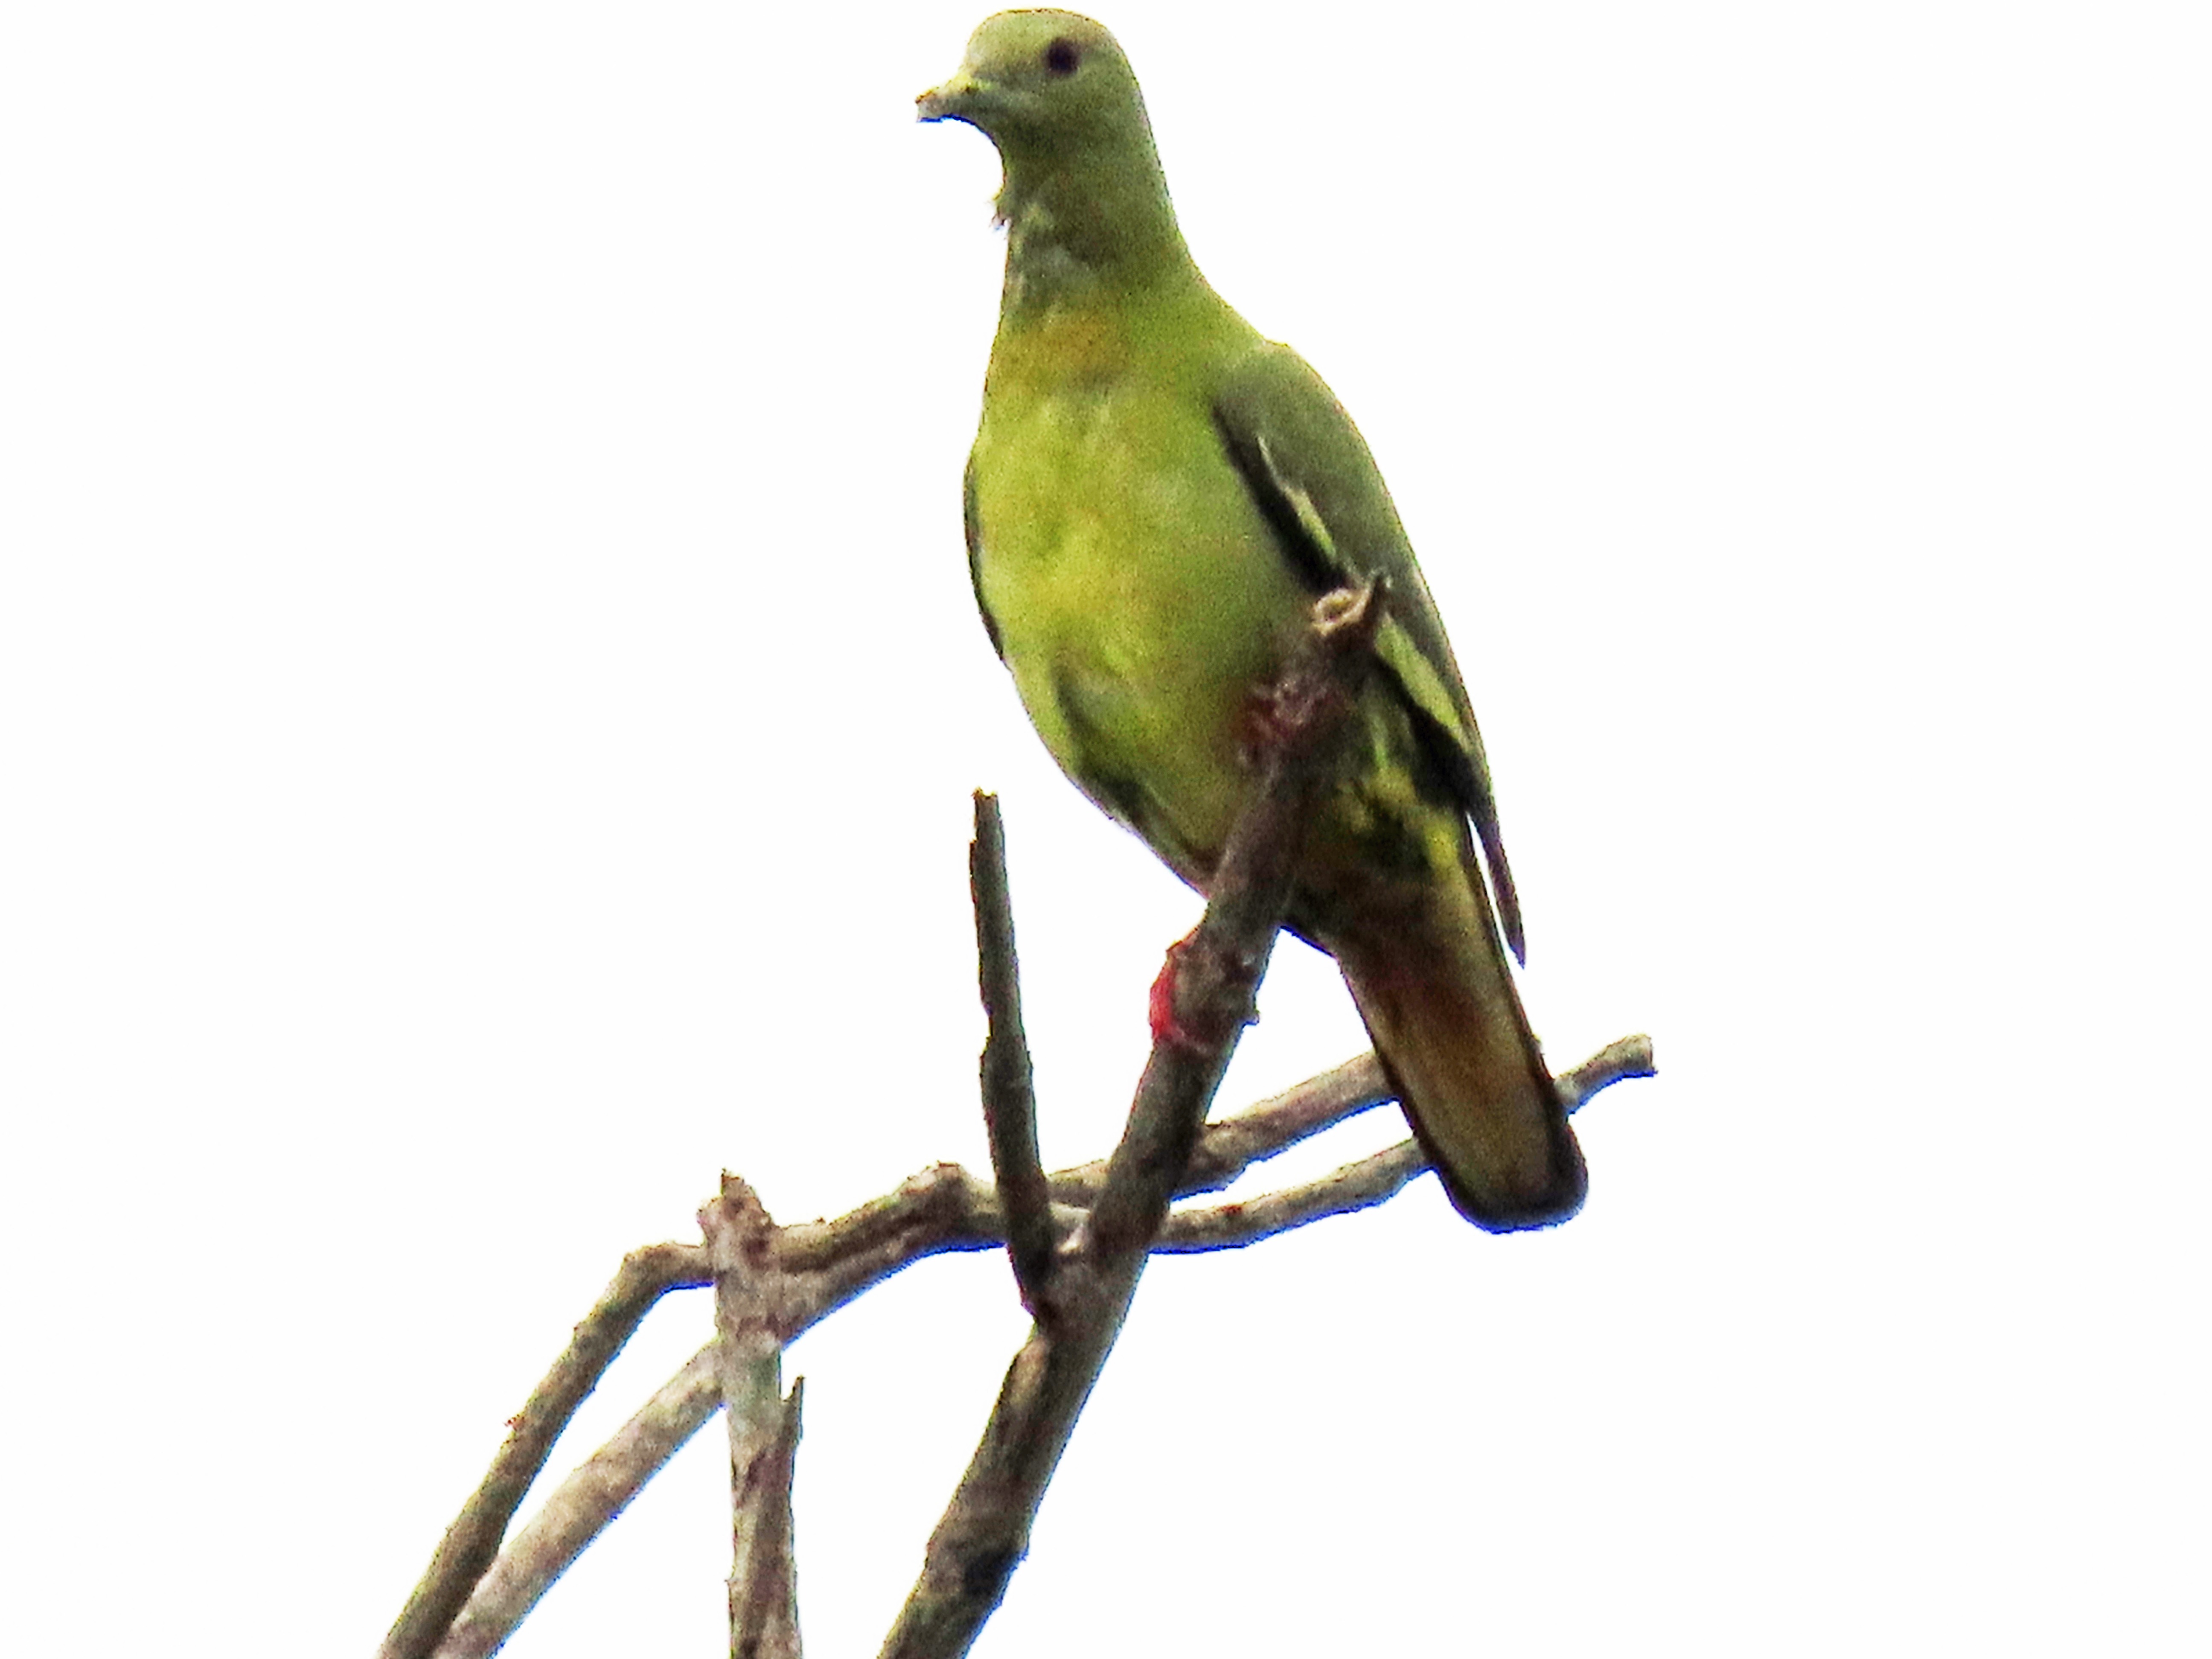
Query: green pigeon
[1156, 498]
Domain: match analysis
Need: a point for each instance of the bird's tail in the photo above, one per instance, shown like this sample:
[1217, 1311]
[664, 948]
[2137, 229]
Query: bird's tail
[1440, 1005]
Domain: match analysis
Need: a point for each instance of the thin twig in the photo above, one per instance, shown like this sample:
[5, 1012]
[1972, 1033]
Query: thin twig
[471, 1543]
[1618, 1062]
[766, 1623]
[1009, 1090]
[941, 1209]
[1357, 1186]
[584, 1506]
[749, 1346]
[944, 1208]
[1234, 1144]
[1367, 1182]
[985, 1530]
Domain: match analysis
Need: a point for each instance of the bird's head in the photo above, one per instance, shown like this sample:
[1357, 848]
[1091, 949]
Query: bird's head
[1041, 83]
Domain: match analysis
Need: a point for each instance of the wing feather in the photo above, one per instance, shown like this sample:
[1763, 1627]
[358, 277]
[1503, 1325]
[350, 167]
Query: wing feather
[1316, 485]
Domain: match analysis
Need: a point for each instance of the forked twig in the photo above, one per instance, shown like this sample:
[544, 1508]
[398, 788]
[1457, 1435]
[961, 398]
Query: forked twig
[471, 1543]
[1078, 1239]
[749, 1313]
[944, 1209]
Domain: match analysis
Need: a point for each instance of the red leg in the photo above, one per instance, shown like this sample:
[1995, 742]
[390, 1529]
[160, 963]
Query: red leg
[1166, 1028]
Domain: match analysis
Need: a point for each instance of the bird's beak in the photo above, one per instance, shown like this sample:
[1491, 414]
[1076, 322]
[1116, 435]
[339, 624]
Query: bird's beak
[953, 101]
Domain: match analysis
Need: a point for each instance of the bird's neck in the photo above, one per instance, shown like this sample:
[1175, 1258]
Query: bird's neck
[1087, 226]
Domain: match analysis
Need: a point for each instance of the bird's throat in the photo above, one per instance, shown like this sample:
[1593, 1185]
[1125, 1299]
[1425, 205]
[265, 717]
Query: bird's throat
[1082, 225]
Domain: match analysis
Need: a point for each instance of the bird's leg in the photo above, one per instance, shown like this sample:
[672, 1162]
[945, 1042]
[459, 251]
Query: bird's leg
[1166, 1028]
[1262, 725]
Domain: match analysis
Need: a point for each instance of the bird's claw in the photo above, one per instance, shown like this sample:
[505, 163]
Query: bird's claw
[1166, 1027]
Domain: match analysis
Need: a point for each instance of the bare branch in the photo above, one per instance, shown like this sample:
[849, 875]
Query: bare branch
[1618, 1062]
[940, 1209]
[472, 1542]
[1356, 1186]
[766, 1586]
[985, 1530]
[1009, 1091]
[944, 1198]
[944, 1208]
[1367, 1181]
[1229, 1146]
[749, 1347]
[584, 1506]
[1234, 1144]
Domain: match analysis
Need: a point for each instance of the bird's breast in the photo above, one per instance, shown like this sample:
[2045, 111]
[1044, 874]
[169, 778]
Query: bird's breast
[1137, 591]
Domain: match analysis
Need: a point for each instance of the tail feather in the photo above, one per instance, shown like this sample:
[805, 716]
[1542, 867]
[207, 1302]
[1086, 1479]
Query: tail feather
[1440, 1004]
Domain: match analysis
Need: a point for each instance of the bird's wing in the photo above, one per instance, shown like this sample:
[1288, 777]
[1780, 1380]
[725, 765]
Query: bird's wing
[974, 533]
[1311, 472]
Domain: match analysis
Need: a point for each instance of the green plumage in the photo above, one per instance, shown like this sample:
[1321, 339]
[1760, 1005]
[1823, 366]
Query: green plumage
[1156, 497]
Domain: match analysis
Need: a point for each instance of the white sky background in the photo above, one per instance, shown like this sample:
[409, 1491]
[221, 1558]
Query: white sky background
[489, 694]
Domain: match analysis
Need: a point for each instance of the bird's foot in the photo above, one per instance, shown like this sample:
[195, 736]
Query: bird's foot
[1262, 725]
[1166, 1028]
[1207, 1029]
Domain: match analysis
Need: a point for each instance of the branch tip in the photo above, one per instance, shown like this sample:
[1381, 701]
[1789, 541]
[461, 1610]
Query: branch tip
[1618, 1062]
[1009, 1088]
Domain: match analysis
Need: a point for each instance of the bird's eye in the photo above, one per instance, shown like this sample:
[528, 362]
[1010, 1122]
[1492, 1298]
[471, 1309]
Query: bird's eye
[1062, 56]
